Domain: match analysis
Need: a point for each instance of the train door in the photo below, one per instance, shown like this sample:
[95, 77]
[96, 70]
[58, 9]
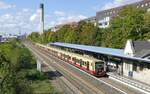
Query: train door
[75, 60]
[87, 65]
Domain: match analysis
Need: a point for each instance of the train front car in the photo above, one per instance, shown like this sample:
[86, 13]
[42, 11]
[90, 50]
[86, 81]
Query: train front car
[99, 69]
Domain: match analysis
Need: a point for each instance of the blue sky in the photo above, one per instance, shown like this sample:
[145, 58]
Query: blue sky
[23, 15]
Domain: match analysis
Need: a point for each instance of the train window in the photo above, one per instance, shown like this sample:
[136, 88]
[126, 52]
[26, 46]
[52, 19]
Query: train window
[85, 63]
[99, 65]
[81, 62]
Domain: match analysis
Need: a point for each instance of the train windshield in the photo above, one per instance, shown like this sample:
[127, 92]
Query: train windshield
[99, 65]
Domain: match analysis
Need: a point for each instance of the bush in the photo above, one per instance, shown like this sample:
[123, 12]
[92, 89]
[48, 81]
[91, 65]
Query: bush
[35, 75]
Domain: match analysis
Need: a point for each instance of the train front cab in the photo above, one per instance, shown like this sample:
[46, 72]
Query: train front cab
[99, 69]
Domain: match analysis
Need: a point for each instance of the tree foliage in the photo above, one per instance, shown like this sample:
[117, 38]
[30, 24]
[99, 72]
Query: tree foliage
[130, 23]
[18, 74]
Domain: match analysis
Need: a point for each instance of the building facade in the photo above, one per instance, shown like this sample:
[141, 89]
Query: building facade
[135, 69]
[103, 17]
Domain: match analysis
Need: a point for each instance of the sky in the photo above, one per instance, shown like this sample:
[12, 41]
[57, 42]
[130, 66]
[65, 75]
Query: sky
[22, 16]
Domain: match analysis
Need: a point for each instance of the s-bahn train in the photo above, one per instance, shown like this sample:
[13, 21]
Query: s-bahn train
[88, 64]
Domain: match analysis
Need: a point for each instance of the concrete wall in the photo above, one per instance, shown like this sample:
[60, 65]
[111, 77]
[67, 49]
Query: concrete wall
[140, 75]
[127, 67]
[143, 76]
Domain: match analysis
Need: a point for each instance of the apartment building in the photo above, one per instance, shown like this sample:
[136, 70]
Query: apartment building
[103, 17]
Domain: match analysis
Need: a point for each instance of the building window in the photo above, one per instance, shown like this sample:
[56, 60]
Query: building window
[100, 24]
[114, 12]
[148, 10]
[146, 4]
[110, 12]
[142, 5]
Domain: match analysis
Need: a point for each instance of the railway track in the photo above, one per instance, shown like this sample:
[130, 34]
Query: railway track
[81, 85]
[62, 82]
[93, 86]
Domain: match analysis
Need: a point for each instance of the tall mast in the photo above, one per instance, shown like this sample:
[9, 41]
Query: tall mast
[42, 18]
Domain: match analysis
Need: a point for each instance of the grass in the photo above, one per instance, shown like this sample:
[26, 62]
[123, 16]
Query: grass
[43, 87]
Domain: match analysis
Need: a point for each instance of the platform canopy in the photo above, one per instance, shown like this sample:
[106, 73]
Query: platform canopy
[99, 50]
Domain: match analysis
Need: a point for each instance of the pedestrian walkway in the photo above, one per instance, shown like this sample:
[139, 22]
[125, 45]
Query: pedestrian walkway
[130, 82]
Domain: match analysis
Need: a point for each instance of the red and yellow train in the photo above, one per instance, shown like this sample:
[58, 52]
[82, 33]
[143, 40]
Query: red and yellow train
[88, 64]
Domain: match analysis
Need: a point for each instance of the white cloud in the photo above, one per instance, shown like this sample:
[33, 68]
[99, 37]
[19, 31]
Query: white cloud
[28, 20]
[3, 5]
[63, 17]
[14, 23]
[70, 18]
[118, 0]
[59, 13]
[26, 10]
[114, 3]
[35, 16]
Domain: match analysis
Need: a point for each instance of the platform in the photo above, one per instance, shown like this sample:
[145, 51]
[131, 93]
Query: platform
[145, 88]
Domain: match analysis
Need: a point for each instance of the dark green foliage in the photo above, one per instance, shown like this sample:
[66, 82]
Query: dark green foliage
[25, 60]
[34, 75]
[18, 74]
[10, 81]
[84, 33]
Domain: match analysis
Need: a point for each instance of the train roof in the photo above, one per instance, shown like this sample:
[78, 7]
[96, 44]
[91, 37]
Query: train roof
[100, 50]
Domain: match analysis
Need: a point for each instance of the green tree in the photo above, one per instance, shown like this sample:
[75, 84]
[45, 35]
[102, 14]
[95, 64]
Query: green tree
[128, 24]
[6, 74]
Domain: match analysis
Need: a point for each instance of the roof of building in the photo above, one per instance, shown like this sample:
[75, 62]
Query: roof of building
[99, 50]
[141, 48]
[113, 12]
[120, 7]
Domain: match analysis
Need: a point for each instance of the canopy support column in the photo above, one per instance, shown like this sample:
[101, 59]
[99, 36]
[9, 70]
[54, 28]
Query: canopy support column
[121, 66]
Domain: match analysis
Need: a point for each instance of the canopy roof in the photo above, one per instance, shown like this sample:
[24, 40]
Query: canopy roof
[99, 50]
